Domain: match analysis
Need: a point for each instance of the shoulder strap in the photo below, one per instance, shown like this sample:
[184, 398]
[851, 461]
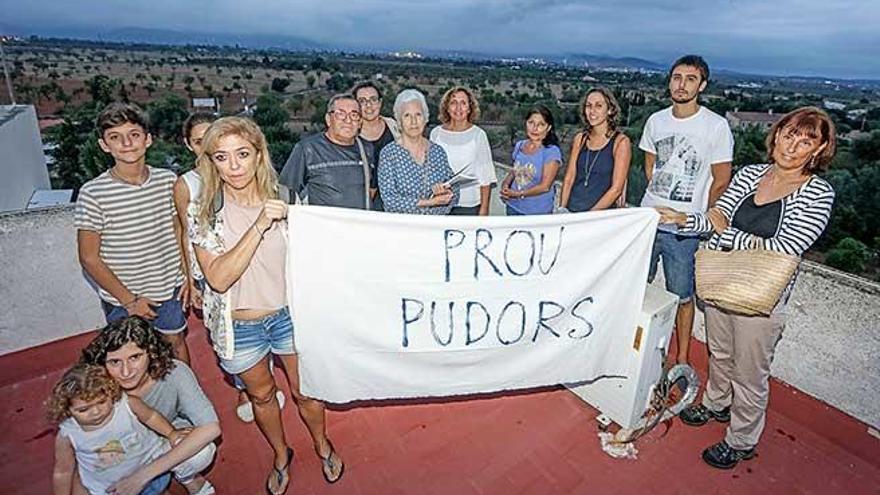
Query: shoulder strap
[366, 166]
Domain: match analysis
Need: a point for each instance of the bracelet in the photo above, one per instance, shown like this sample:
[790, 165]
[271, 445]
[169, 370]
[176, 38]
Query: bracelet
[131, 303]
[254, 226]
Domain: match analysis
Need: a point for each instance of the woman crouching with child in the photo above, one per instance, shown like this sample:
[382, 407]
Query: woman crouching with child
[111, 437]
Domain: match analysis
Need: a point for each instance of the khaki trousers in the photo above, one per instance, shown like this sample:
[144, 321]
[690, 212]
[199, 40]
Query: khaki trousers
[740, 352]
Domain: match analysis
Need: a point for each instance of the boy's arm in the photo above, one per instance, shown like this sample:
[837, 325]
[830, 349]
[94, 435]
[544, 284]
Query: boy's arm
[65, 463]
[89, 248]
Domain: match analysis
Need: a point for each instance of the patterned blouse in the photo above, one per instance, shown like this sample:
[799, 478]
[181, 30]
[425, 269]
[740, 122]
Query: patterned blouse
[403, 182]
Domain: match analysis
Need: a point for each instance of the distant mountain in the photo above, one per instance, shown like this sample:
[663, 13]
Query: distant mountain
[171, 37]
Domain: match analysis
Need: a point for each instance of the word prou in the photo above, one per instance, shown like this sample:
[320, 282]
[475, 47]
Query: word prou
[523, 251]
[467, 323]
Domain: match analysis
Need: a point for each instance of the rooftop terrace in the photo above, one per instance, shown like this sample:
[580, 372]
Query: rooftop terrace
[820, 436]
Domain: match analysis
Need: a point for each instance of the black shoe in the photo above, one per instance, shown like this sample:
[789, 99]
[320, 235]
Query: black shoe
[723, 456]
[698, 415]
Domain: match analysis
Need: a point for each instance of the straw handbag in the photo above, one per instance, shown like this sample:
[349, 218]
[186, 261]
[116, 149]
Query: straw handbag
[744, 281]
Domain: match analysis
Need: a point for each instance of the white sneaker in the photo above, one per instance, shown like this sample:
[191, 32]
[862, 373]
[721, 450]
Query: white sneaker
[245, 411]
[207, 489]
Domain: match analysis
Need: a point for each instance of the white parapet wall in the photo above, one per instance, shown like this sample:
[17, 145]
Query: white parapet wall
[45, 295]
[830, 348]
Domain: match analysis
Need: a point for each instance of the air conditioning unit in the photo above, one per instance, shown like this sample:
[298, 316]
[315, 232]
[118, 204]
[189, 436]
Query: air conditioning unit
[625, 401]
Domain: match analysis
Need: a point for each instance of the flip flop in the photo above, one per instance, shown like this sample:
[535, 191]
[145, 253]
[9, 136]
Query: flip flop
[328, 464]
[279, 474]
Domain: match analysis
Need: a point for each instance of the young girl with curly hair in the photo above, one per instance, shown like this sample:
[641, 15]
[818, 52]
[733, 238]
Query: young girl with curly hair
[112, 438]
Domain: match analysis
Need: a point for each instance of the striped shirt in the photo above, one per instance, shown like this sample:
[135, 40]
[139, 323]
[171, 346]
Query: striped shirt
[136, 223]
[805, 213]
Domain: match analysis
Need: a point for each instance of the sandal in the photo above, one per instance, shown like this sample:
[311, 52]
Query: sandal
[328, 464]
[279, 474]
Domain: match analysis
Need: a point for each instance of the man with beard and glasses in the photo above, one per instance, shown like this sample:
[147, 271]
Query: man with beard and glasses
[688, 153]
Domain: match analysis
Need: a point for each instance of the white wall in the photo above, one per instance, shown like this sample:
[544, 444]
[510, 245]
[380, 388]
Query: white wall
[21, 157]
[43, 292]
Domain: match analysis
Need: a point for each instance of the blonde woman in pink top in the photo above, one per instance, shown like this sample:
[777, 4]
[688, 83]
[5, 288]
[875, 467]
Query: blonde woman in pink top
[240, 242]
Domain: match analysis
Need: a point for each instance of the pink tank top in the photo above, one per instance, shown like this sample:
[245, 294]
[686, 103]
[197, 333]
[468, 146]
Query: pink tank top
[263, 285]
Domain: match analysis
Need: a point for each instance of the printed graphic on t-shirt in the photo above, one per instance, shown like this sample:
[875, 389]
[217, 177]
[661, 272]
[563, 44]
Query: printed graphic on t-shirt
[523, 173]
[110, 455]
[676, 168]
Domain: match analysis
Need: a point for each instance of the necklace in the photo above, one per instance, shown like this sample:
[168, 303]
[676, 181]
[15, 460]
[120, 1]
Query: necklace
[590, 164]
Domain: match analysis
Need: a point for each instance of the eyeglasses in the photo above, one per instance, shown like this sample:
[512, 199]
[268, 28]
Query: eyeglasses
[369, 101]
[342, 115]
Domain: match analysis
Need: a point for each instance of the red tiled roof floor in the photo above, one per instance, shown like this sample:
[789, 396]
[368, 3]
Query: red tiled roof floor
[536, 442]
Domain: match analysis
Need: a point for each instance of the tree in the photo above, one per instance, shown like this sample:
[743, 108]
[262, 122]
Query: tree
[101, 88]
[272, 118]
[748, 146]
[279, 84]
[167, 115]
[849, 255]
[310, 81]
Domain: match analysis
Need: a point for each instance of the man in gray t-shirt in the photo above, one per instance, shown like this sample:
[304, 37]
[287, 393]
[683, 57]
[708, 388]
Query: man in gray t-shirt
[332, 168]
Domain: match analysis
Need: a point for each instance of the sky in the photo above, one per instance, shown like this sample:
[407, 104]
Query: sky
[833, 38]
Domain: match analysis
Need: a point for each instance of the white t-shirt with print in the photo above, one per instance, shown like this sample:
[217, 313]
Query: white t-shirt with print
[469, 153]
[686, 149]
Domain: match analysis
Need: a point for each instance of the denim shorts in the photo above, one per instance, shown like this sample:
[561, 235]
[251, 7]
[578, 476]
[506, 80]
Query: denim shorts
[254, 339]
[158, 485]
[170, 318]
[678, 262]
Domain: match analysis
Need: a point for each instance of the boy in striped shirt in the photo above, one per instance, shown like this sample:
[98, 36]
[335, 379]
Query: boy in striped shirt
[127, 230]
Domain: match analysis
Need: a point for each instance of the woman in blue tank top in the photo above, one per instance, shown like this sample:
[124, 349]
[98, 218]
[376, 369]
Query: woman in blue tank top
[528, 187]
[600, 155]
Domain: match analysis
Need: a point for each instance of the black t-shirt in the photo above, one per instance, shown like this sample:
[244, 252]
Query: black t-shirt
[386, 138]
[378, 144]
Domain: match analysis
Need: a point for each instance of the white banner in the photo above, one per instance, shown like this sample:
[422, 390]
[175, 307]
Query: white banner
[398, 306]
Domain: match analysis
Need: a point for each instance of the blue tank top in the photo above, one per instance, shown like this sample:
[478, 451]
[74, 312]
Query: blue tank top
[599, 166]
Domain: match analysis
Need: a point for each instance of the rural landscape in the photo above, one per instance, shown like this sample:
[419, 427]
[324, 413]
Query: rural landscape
[286, 93]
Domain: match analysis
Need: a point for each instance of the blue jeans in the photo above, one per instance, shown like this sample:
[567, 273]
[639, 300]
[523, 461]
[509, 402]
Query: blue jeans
[170, 318]
[254, 339]
[158, 485]
[678, 263]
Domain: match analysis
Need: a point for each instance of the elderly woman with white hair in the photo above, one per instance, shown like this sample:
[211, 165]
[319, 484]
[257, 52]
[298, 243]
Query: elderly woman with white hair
[414, 172]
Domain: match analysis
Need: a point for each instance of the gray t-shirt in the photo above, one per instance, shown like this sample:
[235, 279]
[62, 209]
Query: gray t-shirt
[179, 398]
[326, 173]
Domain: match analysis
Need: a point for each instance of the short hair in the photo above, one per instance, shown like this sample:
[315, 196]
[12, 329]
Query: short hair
[813, 122]
[195, 119]
[363, 85]
[331, 103]
[139, 332]
[116, 114]
[85, 382]
[691, 61]
[474, 105]
[406, 96]
[613, 109]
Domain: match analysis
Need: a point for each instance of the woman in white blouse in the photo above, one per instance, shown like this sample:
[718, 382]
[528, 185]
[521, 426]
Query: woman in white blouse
[467, 148]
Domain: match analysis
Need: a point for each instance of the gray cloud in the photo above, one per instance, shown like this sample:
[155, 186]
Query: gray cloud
[780, 36]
